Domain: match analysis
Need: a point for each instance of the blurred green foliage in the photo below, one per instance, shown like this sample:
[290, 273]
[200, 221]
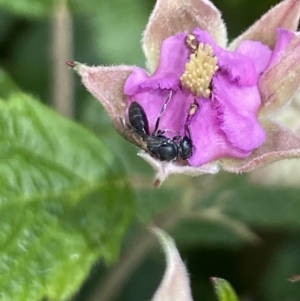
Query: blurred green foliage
[60, 194]
[228, 228]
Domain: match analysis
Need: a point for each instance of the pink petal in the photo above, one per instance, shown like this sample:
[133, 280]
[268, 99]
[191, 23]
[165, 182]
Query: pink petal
[284, 39]
[281, 80]
[259, 53]
[172, 16]
[281, 144]
[173, 57]
[151, 92]
[238, 109]
[173, 118]
[285, 14]
[106, 84]
[210, 142]
[134, 81]
[239, 68]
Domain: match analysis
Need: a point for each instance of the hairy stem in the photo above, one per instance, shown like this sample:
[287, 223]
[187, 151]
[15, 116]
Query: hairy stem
[62, 51]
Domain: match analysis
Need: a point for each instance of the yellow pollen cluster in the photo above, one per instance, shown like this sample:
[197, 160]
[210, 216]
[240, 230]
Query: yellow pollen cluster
[200, 70]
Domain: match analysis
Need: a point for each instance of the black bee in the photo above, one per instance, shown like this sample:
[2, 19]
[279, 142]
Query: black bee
[156, 143]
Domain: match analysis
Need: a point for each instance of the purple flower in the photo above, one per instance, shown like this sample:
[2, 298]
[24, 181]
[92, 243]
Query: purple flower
[225, 123]
[224, 96]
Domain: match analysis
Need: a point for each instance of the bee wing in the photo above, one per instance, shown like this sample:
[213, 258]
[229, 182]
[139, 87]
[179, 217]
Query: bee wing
[128, 132]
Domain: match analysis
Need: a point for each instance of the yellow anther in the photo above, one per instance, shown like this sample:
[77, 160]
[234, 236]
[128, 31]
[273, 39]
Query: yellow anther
[200, 68]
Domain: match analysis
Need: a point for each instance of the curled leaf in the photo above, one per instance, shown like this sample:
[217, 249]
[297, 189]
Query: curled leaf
[175, 285]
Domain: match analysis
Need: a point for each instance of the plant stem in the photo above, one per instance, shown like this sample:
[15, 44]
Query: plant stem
[114, 281]
[62, 51]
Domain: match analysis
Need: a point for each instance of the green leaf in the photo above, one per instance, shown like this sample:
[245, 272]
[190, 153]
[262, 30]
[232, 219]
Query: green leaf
[224, 290]
[119, 42]
[214, 232]
[231, 214]
[283, 264]
[28, 8]
[7, 86]
[65, 202]
[263, 207]
[44, 8]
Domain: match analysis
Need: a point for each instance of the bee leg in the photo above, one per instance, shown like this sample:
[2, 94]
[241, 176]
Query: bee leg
[162, 110]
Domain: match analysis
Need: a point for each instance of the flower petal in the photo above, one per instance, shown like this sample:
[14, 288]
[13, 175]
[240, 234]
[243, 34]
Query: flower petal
[172, 120]
[286, 14]
[210, 142]
[175, 285]
[237, 112]
[284, 39]
[134, 81]
[173, 57]
[106, 84]
[281, 80]
[259, 53]
[240, 68]
[172, 16]
[281, 144]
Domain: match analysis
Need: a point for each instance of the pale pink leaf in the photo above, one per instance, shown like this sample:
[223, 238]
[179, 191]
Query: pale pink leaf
[281, 144]
[172, 16]
[165, 169]
[106, 84]
[175, 285]
[281, 80]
